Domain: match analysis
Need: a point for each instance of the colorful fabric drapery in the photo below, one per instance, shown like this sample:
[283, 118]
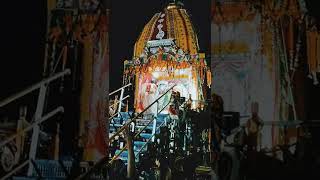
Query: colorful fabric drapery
[98, 106]
[94, 92]
[231, 83]
[257, 37]
[313, 53]
[232, 12]
[90, 29]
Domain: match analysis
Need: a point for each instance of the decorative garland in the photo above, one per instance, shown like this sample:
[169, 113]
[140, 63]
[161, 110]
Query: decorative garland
[169, 60]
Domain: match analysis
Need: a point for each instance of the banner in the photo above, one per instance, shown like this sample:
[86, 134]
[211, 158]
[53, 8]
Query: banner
[90, 29]
[241, 74]
[94, 93]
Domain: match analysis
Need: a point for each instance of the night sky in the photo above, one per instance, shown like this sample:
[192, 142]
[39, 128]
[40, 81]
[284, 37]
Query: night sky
[22, 49]
[23, 26]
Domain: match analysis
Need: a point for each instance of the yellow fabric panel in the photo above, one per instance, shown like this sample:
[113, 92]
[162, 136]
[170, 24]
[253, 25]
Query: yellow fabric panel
[151, 28]
[192, 38]
[145, 35]
[89, 154]
[86, 83]
[180, 32]
[312, 50]
[169, 25]
[51, 4]
[318, 53]
[179, 27]
[229, 47]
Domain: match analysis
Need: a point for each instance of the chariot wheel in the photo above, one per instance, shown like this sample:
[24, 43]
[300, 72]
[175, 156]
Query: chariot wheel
[7, 159]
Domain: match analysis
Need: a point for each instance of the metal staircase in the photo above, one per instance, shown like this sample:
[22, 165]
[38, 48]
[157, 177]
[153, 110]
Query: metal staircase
[144, 126]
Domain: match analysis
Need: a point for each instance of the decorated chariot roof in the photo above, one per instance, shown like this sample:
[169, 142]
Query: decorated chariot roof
[170, 27]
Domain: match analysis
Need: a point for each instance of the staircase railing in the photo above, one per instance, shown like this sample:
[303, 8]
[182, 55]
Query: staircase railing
[148, 140]
[121, 99]
[38, 118]
[115, 104]
[139, 115]
[105, 160]
[34, 87]
[141, 130]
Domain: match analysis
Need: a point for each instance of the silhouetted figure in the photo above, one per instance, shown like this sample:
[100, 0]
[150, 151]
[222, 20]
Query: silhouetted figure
[216, 120]
[254, 126]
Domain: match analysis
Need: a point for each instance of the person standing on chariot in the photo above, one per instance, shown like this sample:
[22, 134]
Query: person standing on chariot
[216, 120]
[254, 126]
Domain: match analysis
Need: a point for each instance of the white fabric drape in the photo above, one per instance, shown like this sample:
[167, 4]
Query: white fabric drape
[243, 79]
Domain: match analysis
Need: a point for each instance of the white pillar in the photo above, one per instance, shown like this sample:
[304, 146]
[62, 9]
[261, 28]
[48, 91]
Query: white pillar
[36, 128]
[120, 101]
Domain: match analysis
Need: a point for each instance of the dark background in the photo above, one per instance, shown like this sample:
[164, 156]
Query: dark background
[313, 92]
[23, 26]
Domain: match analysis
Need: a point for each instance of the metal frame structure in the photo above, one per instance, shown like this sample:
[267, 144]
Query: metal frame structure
[105, 160]
[39, 118]
[121, 99]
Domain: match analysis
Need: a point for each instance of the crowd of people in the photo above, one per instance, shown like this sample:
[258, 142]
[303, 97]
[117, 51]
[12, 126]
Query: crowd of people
[159, 163]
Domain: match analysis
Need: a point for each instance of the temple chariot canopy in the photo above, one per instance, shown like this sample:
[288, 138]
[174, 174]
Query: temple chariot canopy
[166, 54]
